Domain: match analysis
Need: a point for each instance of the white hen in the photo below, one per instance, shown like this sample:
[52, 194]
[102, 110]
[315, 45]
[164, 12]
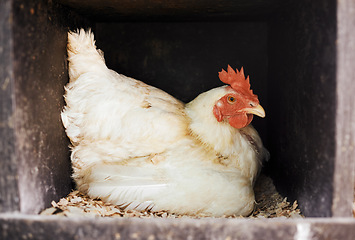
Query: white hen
[138, 147]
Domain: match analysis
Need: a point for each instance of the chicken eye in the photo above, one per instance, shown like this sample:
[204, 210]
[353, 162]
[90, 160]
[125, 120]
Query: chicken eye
[231, 99]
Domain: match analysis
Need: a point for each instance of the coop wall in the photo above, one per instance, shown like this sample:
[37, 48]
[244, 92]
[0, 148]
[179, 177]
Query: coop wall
[312, 118]
[302, 120]
[35, 166]
[297, 57]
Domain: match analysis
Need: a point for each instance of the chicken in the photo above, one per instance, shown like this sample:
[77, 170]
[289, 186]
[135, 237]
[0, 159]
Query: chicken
[138, 147]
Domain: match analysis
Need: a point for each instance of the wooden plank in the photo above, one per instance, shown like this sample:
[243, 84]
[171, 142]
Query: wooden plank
[35, 166]
[9, 195]
[36, 227]
[40, 72]
[182, 10]
[302, 118]
[345, 115]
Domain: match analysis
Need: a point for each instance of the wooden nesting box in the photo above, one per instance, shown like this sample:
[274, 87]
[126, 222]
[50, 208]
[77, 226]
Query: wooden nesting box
[299, 55]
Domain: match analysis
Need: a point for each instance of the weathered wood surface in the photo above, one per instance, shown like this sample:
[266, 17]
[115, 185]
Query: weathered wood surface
[35, 227]
[35, 166]
[311, 118]
[9, 195]
[185, 10]
[343, 192]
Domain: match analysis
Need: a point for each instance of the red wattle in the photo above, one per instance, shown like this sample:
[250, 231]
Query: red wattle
[240, 120]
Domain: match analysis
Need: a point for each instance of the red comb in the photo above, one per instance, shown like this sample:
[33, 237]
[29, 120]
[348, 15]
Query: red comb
[237, 81]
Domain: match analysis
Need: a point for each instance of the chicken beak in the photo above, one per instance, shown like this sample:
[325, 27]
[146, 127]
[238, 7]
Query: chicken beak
[256, 110]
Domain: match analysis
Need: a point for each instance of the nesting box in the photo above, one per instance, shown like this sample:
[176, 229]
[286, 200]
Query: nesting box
[299, 55]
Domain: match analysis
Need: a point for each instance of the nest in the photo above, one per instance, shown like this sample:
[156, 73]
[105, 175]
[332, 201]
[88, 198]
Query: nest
[269, 204]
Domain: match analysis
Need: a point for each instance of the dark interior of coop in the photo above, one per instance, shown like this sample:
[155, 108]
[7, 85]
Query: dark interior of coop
[286, 47]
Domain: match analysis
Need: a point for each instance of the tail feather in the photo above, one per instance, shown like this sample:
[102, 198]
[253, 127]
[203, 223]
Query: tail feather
[82, 54]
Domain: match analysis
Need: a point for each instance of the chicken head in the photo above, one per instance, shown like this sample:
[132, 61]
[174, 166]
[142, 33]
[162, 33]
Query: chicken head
[240, 104]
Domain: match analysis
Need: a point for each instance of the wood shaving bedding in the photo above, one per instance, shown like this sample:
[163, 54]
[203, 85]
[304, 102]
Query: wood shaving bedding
[269, 204]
